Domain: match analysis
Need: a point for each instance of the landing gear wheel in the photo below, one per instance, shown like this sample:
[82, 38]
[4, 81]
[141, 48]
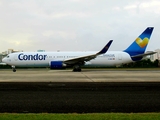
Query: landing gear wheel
[13, 68]
[77, 68]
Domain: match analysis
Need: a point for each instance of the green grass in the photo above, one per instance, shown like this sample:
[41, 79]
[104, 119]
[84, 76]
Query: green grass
[93, 116]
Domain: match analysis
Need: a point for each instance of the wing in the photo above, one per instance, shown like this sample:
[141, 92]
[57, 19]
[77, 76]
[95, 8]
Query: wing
[86, 58]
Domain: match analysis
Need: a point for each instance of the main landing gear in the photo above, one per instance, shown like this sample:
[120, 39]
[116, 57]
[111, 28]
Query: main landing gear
[76, 68]
[14, 68]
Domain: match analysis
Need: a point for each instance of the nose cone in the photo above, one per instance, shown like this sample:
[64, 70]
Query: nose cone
[4, 60]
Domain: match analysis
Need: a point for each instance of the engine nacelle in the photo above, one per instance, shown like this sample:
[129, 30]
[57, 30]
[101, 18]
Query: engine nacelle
[57, 65]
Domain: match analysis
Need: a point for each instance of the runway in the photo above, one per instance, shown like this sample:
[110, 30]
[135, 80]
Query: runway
[87, 75]
[56, 91]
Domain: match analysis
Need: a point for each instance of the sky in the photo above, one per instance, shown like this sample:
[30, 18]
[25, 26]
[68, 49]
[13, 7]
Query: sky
[76, 25]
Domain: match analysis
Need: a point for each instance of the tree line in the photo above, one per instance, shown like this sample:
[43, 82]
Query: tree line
[146, 63]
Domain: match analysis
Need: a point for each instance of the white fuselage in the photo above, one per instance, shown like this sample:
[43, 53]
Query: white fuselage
[43, 59]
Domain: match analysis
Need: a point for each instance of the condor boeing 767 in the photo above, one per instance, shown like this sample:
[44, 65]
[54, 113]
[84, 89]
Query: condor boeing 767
[54, 60]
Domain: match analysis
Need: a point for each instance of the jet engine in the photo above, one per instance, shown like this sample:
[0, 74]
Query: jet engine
[57, 65]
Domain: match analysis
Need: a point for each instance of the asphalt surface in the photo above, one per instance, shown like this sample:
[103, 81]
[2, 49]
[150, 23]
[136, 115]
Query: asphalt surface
[79, 97]
[87, 75]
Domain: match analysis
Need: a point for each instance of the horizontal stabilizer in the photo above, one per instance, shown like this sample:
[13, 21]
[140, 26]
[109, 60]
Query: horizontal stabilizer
[143, 55]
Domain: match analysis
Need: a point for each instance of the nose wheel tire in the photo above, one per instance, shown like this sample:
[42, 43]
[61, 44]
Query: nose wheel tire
[14, 70]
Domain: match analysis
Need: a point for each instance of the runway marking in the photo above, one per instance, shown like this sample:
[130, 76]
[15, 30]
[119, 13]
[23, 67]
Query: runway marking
[87, 77]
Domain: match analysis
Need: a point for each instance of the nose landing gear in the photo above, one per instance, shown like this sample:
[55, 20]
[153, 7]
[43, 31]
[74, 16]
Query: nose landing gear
[13, 68]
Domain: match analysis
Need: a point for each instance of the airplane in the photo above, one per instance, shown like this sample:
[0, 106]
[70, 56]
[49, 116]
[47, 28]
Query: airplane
[57, 60]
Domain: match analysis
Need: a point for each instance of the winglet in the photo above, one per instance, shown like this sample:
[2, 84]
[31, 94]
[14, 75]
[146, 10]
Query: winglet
[106, 47]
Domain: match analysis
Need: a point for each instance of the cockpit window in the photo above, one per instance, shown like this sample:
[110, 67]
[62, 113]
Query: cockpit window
[8, 56]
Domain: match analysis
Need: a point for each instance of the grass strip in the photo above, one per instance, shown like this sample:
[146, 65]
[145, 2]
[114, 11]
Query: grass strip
[74, 116]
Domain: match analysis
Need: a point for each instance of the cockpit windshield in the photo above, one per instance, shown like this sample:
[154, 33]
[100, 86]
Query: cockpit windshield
[7, 56]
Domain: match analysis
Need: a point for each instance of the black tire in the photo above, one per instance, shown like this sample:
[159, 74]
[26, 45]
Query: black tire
[76, 68]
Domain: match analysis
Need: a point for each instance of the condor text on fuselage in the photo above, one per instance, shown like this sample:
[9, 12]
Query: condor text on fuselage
[31, 57]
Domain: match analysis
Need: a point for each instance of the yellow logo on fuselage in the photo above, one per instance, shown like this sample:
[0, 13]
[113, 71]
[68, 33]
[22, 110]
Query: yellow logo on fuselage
[142, 43]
